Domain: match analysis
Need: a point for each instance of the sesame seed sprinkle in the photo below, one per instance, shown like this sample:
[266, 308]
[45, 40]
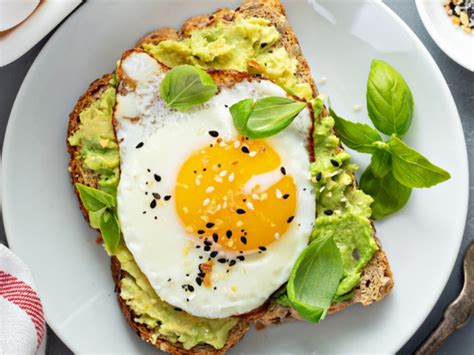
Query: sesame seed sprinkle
[290, 219]
[240, 211]
[213, 134]
[167, 197]
[156, 195]
[139, 145]
[283, 170]
[334, 163]
[210, 189]
[243, 240]
[245, 149]
[252, 154]
[157, 177]
[153, 204]
[262, 248]
[210, 225]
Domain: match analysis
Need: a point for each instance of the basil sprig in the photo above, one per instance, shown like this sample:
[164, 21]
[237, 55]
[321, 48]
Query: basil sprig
[389, 99]
[185, 86]
[314, 279]
[395, 167]
[266, 117]
[102, 209]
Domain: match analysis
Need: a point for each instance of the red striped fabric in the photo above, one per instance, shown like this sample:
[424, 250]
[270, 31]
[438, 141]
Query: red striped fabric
[20, 294]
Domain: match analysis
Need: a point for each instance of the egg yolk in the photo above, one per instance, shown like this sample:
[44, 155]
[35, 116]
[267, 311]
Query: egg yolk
[236, 193]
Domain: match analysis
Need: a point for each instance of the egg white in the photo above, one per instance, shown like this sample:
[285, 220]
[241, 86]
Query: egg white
[163, 250]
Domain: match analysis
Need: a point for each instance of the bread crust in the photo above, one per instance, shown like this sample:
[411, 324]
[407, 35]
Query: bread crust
[376, 279]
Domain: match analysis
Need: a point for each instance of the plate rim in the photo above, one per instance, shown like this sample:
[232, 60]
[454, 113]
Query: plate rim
[7, 156]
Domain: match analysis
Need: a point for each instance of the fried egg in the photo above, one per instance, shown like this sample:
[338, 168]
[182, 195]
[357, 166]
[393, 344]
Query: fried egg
[214, 220]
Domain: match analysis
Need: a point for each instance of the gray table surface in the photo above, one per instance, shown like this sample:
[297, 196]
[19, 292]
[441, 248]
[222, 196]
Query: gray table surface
[461, 83]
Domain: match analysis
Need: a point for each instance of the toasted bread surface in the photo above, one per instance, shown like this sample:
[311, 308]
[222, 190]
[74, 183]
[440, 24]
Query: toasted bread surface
[376, 280]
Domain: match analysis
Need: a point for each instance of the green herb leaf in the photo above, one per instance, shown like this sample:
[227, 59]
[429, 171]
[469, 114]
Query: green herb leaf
[411, 168]
[357, 136]
[381, 163]
[267, 117]
[110, 230]
[389, 99]
[185, 86]
[94, 199]
[95, 217]
[314, 279]
[388, 194]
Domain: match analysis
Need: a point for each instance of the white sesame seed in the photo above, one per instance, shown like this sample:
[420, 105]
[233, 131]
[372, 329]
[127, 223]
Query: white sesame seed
[357, 107]
[197, 182]
[344, 199]
[236, 144]
[203, 151]
[252, 154]
[239, 224]
[224, 205]
[250, 206]
[323, 80]
[210, 189]
[322, 189]
[222, 144]
[206, 201]
[263, 196]
[277, 236]
[278, 193]
[231, 177]
[223, 173]
[217, 178]
[185, 210]
[255, 197]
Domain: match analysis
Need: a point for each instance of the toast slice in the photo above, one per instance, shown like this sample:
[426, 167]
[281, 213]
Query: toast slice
[376, 280]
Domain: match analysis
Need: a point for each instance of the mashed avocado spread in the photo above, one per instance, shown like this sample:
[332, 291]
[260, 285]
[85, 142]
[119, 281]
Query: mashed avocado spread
[342, 211]
[251, 45]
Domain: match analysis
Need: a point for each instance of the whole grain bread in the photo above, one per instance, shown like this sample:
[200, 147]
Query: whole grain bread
[376, 280]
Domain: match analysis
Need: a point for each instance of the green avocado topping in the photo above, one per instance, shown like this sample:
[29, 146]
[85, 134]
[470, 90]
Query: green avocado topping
[343, 212]
[250, 45]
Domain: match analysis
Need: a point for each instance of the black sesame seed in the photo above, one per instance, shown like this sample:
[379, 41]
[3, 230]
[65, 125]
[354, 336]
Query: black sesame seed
[328, 212]
[199, 281]
[187, 275]
[285, 196]
[228, 234]
[167, 197]
[139, 145]
[262, 248]
[153, 204]
[190, 288]
[290, 219]
[207, 242]
[240, 211]
[207, 248]
[177, 309]
[187, 299]
[198, 246]
[241, 257]
[200, 256]
[201, 231]
[226, 106]
[215, 288]
[209, 225]
[222, 260]
[214, 134]
[334, 163]
[283, 170]
[263, 44]
[243, 240]
[148, 170]
[214, 254]
[144, 212]
[156, 218]
[215, 237]
[169, 280]
[232, 262]
[201, 275]
[157, 177]
[319, 176]
[156, 195]
[245, 149]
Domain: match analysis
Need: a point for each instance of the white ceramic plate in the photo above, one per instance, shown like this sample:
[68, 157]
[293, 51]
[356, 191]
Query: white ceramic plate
[339, 38]
[452, 40]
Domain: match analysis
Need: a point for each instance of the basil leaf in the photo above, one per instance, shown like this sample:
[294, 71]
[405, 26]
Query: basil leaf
[389, 99]
[94, 199]
[185, 86]
[388, 194]
[411, 168]
[95, 217]
[314, 279]
[110, 230]
[267, 117]
[381, 163]
[357, 136]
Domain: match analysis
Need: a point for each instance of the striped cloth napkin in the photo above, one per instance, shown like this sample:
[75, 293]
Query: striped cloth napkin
[22, 326]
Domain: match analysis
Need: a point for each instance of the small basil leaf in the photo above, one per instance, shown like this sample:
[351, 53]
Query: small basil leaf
[357, 136]
[269, 116]
[185, 86]
[411, 168]
[388, 194]
[95, 217]
[314, 279]
[389, 99]
[381, 163]
[94, 199]
[110, 230]
[240, 113]
[344, 297]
